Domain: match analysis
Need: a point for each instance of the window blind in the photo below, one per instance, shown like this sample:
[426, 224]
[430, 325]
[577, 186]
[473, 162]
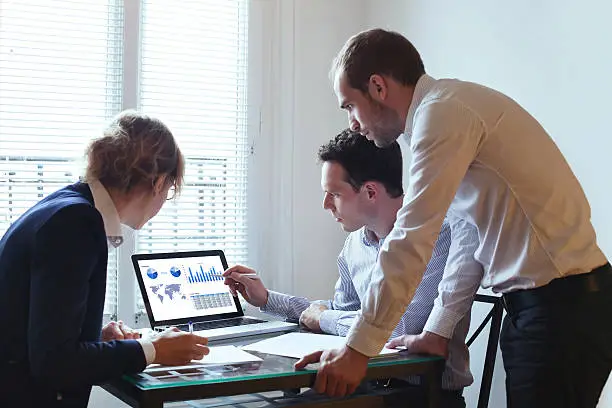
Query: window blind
[194, 77]
[60, 83]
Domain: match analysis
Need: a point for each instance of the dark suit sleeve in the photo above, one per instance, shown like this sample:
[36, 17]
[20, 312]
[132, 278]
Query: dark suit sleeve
[65, 259]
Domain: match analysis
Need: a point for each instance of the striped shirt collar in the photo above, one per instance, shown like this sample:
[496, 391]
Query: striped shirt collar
[104, 204]
[369, 238]
[422, 87]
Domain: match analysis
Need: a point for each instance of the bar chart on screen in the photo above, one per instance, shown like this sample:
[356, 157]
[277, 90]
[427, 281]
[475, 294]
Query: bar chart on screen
[211, 292]
[201, 275]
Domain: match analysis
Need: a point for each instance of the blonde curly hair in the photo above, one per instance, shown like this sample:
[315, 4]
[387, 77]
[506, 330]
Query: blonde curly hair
[135, 151]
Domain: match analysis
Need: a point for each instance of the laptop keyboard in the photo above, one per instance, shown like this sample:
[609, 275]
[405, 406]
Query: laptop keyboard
[216, 324]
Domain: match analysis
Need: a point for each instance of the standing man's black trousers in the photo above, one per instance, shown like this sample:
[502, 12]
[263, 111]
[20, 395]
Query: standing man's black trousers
[556, 342]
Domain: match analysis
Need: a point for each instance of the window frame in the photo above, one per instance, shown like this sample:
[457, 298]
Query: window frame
[127, 287]
[259, 85]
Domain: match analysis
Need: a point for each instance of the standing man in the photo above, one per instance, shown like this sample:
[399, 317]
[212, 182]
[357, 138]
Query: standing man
[478, 152]
[362, 187]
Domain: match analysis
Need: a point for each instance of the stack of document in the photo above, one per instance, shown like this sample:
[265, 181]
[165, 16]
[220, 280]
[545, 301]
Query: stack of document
[298, 345]
[219, 355]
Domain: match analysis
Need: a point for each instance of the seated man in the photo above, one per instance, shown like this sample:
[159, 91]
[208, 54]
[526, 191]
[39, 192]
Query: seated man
[363, 191]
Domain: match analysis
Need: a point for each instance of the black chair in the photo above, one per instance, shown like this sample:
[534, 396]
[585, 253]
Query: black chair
[495, 316]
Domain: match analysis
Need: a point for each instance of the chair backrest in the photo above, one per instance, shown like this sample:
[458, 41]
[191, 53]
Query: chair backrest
[495, 316]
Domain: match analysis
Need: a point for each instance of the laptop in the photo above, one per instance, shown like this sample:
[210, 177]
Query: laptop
[183, 287]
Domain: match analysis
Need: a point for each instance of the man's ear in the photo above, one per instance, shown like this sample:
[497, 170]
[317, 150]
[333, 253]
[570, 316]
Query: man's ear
[371, 190]
[378, 88]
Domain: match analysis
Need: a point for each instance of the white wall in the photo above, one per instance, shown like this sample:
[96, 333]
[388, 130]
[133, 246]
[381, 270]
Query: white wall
[321, 29]
[294, 241]
[551, 56]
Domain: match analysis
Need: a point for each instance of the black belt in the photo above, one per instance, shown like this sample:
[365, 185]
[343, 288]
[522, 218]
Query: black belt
[598, 280]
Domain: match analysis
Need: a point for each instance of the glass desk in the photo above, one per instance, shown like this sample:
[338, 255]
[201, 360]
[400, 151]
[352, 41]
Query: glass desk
[274, 373]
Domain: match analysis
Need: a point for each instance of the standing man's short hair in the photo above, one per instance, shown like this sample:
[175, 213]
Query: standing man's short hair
[363, 161]
[381, 52]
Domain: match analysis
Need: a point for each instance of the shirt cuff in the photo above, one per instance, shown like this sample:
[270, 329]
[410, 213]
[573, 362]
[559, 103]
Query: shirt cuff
[442, 321]
[328, 321]
[367, 339]
[149, 350]
[275, 304]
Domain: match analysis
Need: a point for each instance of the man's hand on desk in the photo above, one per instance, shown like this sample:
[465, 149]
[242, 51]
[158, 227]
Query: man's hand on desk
[118, 331]
[175, 347]
[425, 343]
[250, 287]
[311, 316]
[340, 373]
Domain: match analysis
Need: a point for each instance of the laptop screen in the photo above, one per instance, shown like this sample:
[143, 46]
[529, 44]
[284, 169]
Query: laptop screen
[184, 287]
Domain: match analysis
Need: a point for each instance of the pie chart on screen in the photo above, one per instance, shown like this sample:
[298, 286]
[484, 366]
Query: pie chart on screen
[151, 273]
[174, 271]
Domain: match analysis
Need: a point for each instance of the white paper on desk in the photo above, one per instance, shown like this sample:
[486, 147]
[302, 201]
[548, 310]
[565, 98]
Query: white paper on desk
[218, 355]
[297, 345]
